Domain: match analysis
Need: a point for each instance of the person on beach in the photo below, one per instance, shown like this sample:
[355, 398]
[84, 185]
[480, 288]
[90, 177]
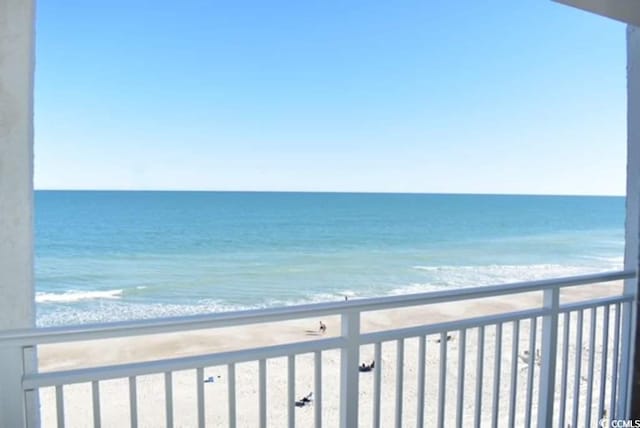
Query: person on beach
[211, 379]
[367, 368]
[449, 337]
[323, 327]
[304, 400]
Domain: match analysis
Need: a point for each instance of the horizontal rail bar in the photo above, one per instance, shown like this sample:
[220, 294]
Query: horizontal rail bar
[423, 330]
[25, 337]
[594, 303]
[66, 377]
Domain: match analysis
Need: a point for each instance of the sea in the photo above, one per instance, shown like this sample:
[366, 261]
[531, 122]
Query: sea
[121, 255]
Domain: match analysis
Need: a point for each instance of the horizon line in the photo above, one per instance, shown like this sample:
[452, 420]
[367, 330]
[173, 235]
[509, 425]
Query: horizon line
[373, 192]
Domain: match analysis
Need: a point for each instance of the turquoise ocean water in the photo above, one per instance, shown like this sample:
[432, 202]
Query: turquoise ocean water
[104, 256]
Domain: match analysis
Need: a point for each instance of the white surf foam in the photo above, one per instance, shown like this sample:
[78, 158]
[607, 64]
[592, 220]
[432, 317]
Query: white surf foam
[75, 296]
[446, 276]
[112, 306]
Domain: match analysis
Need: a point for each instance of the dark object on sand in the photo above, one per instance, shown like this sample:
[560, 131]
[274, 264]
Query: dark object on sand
[449, 337]
[367, 368]
[304, 400]
[323, 327]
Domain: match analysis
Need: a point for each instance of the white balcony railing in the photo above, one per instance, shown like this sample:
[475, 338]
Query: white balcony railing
[539, 365]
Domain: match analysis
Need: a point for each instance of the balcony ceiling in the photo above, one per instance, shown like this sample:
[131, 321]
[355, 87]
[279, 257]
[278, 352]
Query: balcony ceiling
[627, 11]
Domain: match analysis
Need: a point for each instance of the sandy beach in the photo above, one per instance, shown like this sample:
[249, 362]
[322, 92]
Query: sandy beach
[150, 389]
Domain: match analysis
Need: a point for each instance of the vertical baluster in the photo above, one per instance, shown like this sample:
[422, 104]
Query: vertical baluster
[291, 389]
[168, 398]
[548, 356]
[578, 363]
[515, 339]
[399, 380]
[349, 374]
[625, 381]
[533, 327]
[32, 408]
[377, 376]
[317, 380]
[442, 384]
[60, 406]
[133, 401]
[461, 367]
[32, 411]
[422, 347]
[231, 385]
[262, 386]
[496, 376]
[565, 369]
[479, 375]
[592, 354]
[95, 394]
[614, 373]
[603, 362]
[200, 391]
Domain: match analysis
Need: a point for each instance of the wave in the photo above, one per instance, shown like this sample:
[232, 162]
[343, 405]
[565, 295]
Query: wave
[115, 309]
[448, 276]
[112, 305]
[76, 296]
[499, 267]
[112, 310]
[507, 272]
[615, 262]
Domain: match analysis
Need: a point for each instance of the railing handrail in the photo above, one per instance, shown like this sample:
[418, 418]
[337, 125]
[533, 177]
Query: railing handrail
[44, 335]
[113, 371]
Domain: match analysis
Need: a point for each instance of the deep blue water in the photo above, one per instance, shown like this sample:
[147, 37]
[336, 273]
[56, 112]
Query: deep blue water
[122, 255]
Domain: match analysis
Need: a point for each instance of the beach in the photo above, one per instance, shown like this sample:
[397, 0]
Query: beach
[150, 389]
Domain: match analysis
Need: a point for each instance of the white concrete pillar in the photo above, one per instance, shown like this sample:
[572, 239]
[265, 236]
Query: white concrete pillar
[16, 194]
[629, 375]
[16, 163]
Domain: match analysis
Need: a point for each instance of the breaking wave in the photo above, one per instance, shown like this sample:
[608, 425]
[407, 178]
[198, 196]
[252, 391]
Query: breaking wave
[76, 296]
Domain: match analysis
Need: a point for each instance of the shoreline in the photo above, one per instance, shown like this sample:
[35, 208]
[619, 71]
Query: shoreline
[81, 307]
[123, 350]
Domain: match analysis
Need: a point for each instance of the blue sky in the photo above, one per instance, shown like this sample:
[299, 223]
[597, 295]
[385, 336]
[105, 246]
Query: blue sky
[410, 96]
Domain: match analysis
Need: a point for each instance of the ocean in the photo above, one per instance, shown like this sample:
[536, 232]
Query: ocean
[117, 255]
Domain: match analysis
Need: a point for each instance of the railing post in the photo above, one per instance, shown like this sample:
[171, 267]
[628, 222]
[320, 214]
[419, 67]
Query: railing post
[349, 361]
[31, 400]
[13, 408]
[546, 391]
[625, 378]
[629, 380]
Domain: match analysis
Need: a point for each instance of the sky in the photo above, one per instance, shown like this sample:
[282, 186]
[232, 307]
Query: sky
[437, 96]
